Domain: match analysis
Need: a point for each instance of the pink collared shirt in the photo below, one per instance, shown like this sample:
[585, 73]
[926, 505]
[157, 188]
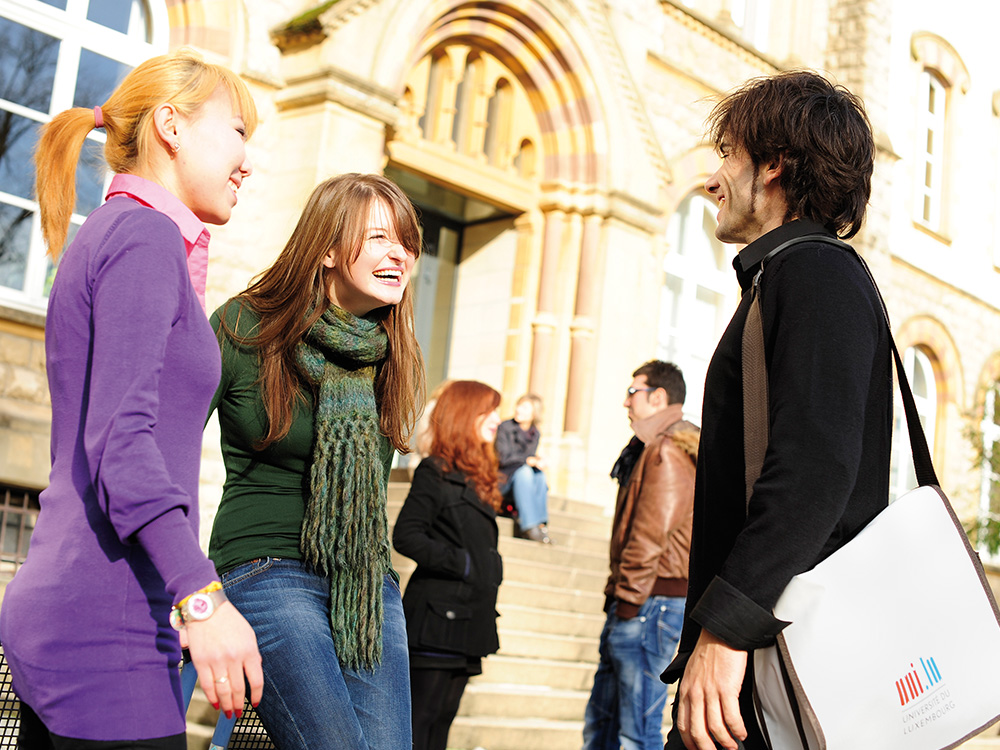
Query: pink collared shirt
[194, 232]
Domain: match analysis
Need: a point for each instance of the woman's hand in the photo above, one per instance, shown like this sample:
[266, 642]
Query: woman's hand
[224, 648]
[535, 462]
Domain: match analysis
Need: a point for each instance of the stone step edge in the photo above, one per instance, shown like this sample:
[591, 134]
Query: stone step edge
[518, 722]
[516, 688]
[540, 662]
[541, 588]
[511, 609]
[581, 639]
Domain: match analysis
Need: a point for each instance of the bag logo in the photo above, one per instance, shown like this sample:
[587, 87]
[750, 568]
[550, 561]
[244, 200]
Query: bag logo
[923, 700]
[910, 686]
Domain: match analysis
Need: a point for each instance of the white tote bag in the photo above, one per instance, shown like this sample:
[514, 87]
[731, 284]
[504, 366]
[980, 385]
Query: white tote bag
[894, 641]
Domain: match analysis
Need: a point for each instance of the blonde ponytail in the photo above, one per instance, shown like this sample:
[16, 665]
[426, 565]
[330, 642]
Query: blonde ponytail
[56, 156]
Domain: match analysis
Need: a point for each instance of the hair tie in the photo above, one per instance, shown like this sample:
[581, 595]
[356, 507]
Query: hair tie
[98, 118]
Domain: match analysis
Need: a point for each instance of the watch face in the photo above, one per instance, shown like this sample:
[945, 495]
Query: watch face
[176, 621]
[200, 606]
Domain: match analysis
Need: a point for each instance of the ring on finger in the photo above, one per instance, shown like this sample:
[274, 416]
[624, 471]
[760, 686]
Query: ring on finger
[222, 680]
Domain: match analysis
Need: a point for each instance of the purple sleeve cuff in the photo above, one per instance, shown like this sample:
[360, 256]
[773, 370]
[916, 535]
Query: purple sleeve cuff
[171, 544]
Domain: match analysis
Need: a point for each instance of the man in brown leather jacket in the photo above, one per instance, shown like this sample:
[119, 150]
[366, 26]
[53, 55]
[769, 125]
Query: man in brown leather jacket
[650, 542]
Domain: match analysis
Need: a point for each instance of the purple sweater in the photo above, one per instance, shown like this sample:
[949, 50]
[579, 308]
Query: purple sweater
[132, 365]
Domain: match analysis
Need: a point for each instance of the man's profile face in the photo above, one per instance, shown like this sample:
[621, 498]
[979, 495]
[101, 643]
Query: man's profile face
[640, 404]
[735, 186]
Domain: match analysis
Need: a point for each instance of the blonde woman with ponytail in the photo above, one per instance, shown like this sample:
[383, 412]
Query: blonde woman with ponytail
[132, 363]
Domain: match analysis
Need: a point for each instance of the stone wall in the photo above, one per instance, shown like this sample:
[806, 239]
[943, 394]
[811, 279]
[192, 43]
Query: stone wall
[25, 411]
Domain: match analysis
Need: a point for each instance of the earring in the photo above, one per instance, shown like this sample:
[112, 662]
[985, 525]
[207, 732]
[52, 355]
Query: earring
[176, 147]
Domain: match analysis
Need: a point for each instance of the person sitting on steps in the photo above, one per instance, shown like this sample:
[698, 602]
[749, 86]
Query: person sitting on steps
[521, 469]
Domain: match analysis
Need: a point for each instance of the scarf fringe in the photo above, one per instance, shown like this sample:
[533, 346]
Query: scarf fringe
[345, 532]
[345, 537]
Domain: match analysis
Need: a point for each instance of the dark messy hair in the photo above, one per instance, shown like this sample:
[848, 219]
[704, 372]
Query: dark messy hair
[821, 135]
[665, 375]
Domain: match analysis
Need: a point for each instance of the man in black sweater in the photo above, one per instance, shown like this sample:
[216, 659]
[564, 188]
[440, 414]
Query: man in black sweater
[797, 159]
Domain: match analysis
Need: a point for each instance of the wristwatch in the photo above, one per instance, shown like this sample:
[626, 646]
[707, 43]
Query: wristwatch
[197, 607]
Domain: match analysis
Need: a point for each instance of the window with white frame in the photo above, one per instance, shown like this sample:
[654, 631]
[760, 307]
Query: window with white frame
[57, 54]
[753, 18]
[941, 79]
[989, 488]
[923, 383]
[699, 295]
[930, 149]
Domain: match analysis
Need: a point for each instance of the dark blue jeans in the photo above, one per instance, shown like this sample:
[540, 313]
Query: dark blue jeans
[627, 700]
[309, 701]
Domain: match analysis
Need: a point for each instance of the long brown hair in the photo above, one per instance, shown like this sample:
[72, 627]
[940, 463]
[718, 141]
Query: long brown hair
[293, 293]
[456, 438]
[182, 79]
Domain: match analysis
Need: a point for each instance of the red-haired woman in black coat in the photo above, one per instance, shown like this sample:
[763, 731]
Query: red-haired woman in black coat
[448, 526]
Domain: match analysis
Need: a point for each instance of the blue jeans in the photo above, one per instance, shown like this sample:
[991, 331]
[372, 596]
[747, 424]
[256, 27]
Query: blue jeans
[627, 700]
[309, 701]
[531, 494]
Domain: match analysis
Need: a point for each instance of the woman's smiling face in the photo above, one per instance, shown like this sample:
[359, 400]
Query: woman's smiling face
[212, 160]
[381, 272]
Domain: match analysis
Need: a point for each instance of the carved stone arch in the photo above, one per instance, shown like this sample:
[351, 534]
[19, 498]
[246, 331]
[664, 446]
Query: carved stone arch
[539, 41]
[933, 338]
[935, 53]
[546, 62]
[208, 25]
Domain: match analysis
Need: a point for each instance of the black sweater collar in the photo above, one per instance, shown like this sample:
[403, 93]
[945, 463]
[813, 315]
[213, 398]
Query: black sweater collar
[748, 261]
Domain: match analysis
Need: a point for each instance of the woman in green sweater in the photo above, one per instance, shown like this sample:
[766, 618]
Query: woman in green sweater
[321, 379]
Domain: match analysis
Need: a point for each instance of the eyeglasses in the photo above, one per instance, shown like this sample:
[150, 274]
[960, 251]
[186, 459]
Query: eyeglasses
[632, 391]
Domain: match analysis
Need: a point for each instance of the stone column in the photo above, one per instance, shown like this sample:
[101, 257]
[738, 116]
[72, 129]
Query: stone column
[580, 385]
[543, 349]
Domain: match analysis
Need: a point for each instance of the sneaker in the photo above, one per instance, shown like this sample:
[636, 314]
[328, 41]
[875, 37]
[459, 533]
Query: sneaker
[535, 534]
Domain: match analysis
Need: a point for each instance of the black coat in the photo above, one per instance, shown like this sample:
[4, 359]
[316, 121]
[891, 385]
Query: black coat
[450, 600]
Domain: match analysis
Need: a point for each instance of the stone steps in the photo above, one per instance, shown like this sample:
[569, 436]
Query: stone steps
[514, 733]
[504, 668]
[488, 700]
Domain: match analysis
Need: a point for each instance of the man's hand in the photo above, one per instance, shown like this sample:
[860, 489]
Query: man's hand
[709, 695]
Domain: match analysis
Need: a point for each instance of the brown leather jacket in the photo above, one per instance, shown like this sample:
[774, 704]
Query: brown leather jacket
[651, 535]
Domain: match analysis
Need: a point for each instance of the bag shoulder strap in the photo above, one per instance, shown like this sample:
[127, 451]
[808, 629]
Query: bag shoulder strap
[755, 395]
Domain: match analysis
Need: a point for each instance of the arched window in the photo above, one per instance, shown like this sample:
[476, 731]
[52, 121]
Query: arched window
[989, 488]
[55, 55]
[942, 78]
[432, 103]
[699, 295]
[497, 122]
[525, 160]
[930, 149]
[465, 93]
[923, 383]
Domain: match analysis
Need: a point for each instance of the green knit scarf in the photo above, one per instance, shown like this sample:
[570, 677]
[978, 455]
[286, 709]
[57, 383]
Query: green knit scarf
[345, 533]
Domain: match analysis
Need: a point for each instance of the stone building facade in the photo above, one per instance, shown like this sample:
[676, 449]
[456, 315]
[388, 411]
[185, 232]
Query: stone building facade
[555, 150]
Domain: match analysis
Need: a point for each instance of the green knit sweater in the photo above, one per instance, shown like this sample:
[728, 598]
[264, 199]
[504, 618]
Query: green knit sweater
[263, 500]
